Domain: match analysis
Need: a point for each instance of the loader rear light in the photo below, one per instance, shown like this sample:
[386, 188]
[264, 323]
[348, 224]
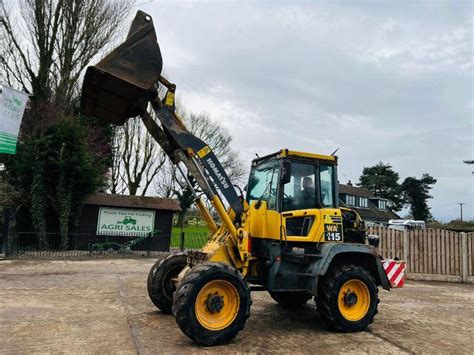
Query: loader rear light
[395, 271]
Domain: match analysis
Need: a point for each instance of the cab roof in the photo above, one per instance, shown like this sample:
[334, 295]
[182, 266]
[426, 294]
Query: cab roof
[282, 153]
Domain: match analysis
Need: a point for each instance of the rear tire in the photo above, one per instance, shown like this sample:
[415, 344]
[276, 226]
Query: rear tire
[160, 283]
[290, 299]
[212, 303]
[347, 298]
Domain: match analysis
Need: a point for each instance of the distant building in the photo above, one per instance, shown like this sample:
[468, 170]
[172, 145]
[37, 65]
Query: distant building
[118, 218]
[371, 208]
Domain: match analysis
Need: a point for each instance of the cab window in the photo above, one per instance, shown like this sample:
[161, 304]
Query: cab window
[300, 192]
[326, 174]
[263, 183]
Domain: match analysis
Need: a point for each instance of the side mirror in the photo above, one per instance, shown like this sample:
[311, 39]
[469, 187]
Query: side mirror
[285, 176]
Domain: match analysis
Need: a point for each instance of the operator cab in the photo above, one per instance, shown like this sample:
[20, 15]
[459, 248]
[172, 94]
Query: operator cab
[301, 195]
[290, 180]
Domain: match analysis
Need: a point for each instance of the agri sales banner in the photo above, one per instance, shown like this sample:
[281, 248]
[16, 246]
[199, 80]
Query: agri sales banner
[12, 106]
[122, 221]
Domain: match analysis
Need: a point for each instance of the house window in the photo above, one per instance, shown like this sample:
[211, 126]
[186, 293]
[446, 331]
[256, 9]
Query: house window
[363, 202]
[382, 204]
[350, 200]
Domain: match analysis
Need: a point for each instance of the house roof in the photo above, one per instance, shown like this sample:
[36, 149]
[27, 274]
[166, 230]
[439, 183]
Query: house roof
[355, 191]
[126, 201]
[371, 213]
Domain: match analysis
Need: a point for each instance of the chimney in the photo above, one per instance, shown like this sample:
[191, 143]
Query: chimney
[349, 183]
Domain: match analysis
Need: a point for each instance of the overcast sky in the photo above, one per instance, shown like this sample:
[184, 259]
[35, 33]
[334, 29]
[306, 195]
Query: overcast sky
[387, 82]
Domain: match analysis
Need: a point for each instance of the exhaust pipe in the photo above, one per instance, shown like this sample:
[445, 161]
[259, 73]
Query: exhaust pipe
[121, 84]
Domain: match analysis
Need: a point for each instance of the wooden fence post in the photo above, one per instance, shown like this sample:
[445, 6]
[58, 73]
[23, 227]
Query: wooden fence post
[464, 256]
[406, 248]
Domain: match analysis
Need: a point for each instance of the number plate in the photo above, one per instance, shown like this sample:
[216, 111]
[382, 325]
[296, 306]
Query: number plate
[333, 232]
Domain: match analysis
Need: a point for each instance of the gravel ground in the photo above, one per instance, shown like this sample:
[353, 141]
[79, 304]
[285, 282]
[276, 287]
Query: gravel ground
[101, 306]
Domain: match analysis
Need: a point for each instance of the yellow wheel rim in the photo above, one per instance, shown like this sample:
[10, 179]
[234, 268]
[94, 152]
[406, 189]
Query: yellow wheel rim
[354, 300]
[217, 305]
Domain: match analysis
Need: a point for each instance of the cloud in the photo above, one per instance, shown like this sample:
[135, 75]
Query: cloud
[384, 81]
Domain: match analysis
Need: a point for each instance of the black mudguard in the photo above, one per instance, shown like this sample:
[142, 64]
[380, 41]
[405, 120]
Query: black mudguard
[330, 250]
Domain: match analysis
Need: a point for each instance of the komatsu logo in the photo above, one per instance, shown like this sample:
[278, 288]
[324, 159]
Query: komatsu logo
[219, 176]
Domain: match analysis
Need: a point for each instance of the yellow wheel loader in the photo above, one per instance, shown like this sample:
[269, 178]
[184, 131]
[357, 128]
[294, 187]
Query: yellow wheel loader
[287, 235]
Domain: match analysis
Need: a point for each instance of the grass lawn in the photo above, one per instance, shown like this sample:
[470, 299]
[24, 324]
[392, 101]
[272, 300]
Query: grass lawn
[194, 237]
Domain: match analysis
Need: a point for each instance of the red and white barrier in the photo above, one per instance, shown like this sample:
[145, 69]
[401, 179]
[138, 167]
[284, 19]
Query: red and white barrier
[396, 272]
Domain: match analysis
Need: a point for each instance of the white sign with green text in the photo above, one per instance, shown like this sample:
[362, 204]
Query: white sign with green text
[12, 106]
[115, 221]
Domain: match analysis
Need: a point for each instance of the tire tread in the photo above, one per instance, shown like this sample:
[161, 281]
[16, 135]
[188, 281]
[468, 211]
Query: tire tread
[181, 300]
[158, 298]
[328, 313]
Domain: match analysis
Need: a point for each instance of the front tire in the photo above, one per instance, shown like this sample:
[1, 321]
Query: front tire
[348, 298]
[290, 299]
[161, 282]
[212, 303]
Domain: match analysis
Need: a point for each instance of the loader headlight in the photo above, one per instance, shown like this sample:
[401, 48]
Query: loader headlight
[373, 240]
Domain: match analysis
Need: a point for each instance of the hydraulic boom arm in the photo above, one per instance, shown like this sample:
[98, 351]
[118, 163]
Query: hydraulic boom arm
[198, 158]
[124, 83]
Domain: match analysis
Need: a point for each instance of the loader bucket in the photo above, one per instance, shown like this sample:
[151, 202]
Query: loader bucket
[117, 87]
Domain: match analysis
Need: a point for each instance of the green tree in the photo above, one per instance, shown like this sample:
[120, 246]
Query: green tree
[61, 156]
[382, 181]
[416, 194]
[52, 173]
[186, 199]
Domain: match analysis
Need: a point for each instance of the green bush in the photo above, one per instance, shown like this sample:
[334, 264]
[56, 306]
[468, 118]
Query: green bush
[53, 171]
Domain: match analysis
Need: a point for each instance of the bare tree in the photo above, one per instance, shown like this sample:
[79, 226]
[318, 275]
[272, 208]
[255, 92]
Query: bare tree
[469, 162]
[137, 159]
[170, 183]
[167, 182]
[28, 47]
[219, 139]
[47, 43]
[116, 176]
[87, 27]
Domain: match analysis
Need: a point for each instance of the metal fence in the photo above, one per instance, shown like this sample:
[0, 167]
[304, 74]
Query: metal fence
[31, 245]
[431, 254]
[188, 240]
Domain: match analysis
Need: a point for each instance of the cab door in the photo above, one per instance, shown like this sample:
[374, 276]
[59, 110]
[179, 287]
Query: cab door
[299, 207]
[308, 205]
